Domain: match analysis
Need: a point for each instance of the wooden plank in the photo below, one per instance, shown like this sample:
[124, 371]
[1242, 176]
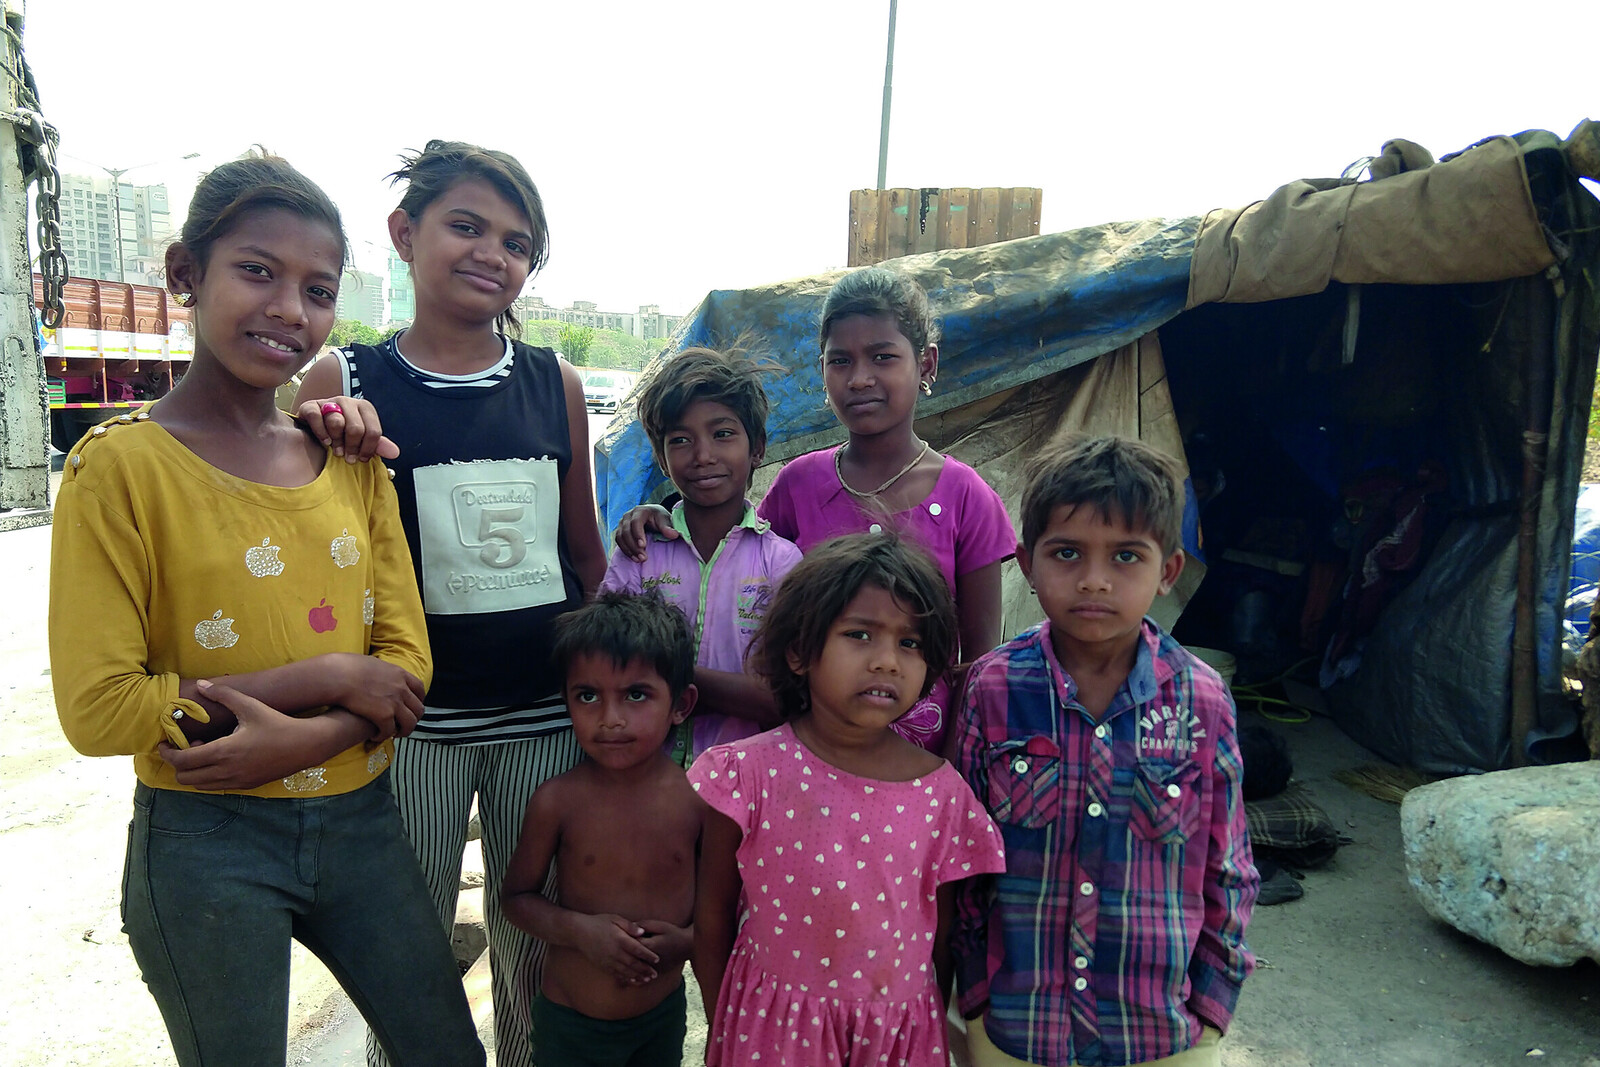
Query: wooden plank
[898, 223]
[953, 217]
[864, 227]
[924, 221]
[988, 223]
[1020, 214]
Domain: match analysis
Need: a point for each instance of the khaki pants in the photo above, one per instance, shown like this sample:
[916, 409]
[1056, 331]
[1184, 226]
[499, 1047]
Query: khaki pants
[1206, 1053]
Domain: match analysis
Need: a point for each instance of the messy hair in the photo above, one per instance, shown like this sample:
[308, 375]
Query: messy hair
[258, 182]
[428, 174]
[1123, 479]
[819, 588]
[876, 291]
[730, 378]
[628, 627]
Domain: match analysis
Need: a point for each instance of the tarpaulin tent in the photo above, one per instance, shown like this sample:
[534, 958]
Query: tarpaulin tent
[1391, 346]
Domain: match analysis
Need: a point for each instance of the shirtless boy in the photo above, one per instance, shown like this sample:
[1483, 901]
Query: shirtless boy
[622, 828]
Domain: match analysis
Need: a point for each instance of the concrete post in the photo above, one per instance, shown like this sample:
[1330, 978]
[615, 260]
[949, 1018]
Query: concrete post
[24, 404]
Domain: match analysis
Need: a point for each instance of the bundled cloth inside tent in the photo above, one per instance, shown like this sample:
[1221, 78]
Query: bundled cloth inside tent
[1379, 388]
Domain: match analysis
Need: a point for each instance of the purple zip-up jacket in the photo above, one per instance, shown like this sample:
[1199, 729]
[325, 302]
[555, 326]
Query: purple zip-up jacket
[724, 596]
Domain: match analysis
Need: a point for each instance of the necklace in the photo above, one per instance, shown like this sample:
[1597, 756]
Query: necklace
[838, 467]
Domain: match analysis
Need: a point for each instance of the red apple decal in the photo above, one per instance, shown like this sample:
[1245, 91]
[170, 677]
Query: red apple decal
[321, 617]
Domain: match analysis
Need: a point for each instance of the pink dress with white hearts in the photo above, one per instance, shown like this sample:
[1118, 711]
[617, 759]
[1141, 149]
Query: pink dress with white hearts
[834, 962]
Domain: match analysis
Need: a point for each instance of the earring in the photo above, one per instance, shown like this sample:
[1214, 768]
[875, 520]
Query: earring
[927, 387]
[186, 300]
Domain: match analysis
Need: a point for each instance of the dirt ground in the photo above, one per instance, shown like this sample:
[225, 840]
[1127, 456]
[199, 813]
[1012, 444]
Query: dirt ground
[1352, 974]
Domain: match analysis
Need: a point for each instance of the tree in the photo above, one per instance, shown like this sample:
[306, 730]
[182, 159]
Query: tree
[574, 342]
[349, 331]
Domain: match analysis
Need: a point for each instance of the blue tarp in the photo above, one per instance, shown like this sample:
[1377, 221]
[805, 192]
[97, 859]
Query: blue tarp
[1019, 311]
[1011, 313]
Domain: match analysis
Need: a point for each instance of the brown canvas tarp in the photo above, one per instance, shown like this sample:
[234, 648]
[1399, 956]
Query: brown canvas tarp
[1468, 219]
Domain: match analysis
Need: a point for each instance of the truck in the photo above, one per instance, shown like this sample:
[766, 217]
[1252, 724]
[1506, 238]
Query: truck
[119, 345]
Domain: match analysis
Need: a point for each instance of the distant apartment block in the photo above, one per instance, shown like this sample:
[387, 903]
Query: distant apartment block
[402, 296]
[90, 210]
[363, 296]
[647, 323]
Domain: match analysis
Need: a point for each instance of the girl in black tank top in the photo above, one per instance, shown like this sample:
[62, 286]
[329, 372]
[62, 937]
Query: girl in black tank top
[494, 483]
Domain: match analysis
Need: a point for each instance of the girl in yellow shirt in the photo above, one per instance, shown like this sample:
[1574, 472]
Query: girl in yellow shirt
[237, 610]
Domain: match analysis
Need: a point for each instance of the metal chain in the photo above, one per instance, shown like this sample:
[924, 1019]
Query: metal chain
[43, 138]
[39, 140]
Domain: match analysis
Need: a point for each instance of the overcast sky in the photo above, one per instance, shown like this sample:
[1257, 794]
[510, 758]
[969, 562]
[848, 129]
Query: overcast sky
[684, 147]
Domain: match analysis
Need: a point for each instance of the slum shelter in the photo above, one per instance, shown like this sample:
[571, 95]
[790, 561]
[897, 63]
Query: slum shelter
[1380, 386]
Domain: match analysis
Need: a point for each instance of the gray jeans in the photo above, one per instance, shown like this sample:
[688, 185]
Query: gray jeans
[215, 887]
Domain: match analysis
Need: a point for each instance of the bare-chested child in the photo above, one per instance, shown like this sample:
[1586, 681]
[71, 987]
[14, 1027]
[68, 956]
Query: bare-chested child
[622, 829]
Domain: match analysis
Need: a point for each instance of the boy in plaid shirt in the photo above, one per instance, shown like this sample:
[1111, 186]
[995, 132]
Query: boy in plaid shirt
[1108, 756]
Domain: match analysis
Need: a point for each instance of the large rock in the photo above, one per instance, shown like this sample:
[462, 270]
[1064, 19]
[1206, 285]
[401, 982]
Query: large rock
[1512, 858]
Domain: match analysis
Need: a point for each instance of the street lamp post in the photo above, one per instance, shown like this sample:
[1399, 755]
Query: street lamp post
[116, 191]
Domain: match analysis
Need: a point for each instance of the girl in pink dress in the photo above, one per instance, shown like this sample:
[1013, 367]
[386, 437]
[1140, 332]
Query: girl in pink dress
[880, 351]
[844, 840]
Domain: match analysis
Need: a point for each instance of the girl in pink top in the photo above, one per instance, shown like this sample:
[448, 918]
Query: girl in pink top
[843, 841]
[880, 350]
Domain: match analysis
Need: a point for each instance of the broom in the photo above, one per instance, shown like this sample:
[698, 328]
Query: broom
[1382, 781]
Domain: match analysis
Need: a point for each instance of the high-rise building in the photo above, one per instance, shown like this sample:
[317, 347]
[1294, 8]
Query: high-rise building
[402, 296]
[363, 297]
[92, 209]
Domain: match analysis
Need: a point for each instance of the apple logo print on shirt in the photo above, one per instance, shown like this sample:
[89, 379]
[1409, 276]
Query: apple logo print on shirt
[215, 632]
[262, 560]
[321, 617]
[344, 550]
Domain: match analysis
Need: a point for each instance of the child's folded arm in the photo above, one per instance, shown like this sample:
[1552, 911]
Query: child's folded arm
[109, 700]
[263, 745]
[672, 944]
[1222, 960]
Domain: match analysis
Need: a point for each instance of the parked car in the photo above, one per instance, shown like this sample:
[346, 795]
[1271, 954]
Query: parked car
[603, 390]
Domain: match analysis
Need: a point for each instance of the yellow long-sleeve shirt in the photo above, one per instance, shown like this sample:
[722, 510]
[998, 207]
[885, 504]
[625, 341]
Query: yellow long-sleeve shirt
[164, 567]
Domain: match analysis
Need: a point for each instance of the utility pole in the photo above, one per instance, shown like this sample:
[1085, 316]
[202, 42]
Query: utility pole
[116, 195]
[888, 89]
[24, 404]
[116, 192]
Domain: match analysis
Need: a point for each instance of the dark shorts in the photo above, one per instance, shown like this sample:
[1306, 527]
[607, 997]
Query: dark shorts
[563, 1037]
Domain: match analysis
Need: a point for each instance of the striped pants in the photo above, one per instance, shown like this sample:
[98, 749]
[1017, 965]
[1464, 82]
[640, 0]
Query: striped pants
[434, 785]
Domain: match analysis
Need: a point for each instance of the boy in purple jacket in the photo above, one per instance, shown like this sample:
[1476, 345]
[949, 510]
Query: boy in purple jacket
[705, 413]
[1109, 757]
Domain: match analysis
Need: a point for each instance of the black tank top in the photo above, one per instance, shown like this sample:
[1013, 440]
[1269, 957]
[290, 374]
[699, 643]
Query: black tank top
[479, 480]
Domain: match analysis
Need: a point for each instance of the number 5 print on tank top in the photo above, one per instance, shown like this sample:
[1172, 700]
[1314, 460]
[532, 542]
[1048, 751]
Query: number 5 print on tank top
[489, 535]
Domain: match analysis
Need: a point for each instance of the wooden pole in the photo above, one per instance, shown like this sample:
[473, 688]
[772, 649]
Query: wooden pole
[1537, 352]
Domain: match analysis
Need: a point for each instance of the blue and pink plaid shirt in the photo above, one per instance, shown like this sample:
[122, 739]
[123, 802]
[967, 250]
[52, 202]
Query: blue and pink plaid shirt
[1118, 927]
